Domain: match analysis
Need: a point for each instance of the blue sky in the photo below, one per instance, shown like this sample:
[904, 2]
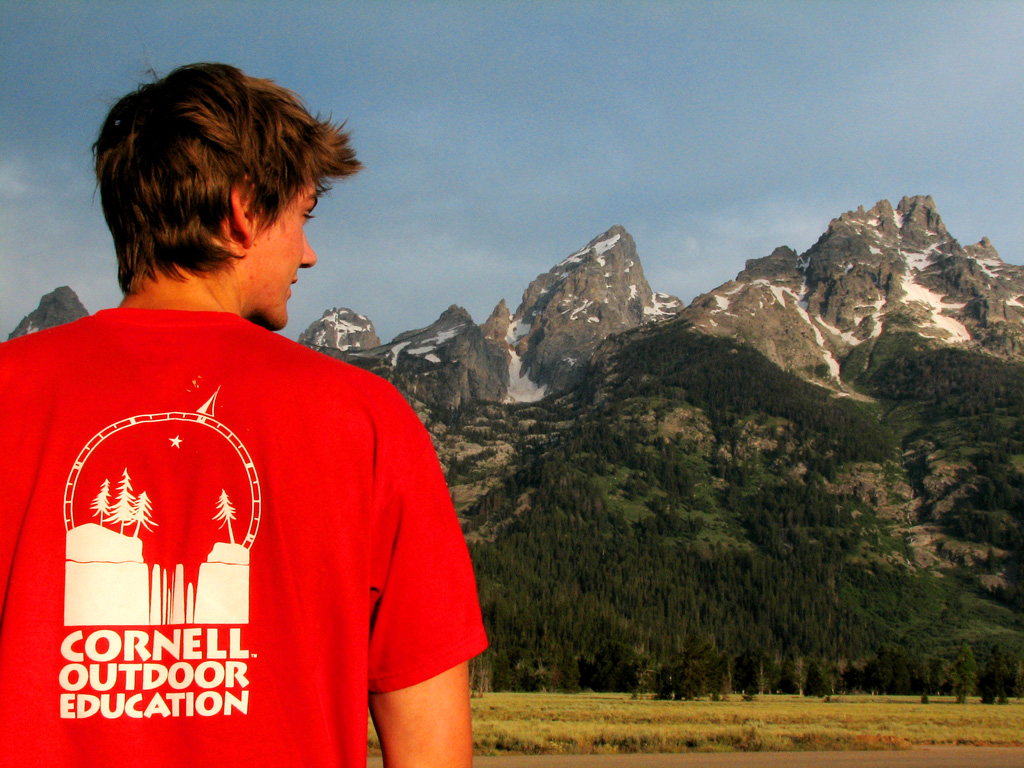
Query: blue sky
[499, 137]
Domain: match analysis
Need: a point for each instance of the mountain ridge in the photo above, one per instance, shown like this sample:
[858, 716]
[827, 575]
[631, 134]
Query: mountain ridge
[869, 270]
[896, 268]
[543, 347]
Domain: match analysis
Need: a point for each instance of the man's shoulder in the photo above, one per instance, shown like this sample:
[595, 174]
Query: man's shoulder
[42, 344]
[267, 354]
[330, 379]
[303, 360]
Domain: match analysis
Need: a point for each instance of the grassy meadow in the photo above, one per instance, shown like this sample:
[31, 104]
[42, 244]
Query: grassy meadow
[591, 723]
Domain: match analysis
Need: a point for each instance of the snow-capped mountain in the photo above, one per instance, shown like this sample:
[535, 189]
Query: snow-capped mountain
[544, 347]
[570, 309]
[871, 272]
[341, 329]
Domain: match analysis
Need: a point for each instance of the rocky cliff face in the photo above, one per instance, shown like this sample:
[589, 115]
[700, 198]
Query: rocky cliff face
[55, 308]
[569, 310]
[447, 364]
[873, 271]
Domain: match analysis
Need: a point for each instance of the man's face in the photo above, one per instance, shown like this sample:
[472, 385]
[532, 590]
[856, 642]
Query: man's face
[268, 270]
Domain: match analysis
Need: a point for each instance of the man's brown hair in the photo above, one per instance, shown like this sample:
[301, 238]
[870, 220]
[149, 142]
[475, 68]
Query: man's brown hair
[169, 154]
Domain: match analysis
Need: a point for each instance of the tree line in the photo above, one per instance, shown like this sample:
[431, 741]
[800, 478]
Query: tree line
[698, 669]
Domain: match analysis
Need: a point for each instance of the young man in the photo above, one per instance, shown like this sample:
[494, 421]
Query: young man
[216, 546]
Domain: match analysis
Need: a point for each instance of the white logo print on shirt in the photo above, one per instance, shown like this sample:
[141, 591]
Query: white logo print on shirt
[161, 511]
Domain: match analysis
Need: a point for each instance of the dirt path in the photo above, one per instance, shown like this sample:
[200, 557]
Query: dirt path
[921, 757]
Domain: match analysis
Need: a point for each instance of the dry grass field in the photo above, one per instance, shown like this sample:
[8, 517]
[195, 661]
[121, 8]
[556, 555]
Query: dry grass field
[595, 723]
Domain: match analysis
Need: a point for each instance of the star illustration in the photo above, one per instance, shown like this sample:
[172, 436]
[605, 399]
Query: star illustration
[176, 441]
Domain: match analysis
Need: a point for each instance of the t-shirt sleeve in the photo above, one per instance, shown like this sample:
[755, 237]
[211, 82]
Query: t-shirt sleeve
[425, 610]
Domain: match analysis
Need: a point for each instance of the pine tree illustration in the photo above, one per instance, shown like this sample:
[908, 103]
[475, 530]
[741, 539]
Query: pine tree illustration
[140, 513]
[225, 513]
[101, 504]
[123, 510]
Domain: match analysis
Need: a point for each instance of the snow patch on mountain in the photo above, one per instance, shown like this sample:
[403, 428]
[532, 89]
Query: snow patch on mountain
[780, 294]
[521, 388]
[396, 351]
[846, 336]
[430, 345]
[921, 260]
[598, 249]
[518, 331]
[916, 293]
[577, 311]
[991, 267]
[662, 306]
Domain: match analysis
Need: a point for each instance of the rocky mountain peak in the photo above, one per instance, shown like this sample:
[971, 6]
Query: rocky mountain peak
[871, 269]
[915, 221]
[920, 223]
[600, 250]
[566, 312]
[55, 308]
[497, 325]
[340, 329]
[447, 326]
[545, 346]
[782, 264]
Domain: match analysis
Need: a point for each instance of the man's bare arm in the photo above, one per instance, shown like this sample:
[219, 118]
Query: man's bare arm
[426, 725]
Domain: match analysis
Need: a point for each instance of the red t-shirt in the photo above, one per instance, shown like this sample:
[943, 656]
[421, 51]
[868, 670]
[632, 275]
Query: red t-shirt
[213, 543]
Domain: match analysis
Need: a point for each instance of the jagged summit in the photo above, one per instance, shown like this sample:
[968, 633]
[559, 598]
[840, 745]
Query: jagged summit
[870, 270]
[566, 312]
[426, 342]
[60, 306]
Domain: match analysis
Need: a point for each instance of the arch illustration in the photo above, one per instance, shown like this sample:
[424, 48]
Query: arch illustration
[196, 417]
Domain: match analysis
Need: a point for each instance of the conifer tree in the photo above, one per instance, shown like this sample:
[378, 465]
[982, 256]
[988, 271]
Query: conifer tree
[123, 511]
[996, 679]
[817, 681]
[140, 513]
[225, 513]
[962, 674]
[101, 504]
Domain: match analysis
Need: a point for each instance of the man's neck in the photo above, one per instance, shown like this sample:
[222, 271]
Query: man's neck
[208, 292]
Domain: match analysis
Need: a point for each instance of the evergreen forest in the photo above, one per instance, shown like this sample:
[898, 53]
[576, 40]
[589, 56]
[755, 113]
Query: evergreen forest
[693, 520]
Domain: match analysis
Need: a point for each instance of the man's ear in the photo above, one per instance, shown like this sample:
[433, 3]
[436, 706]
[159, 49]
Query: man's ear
[240, 225]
